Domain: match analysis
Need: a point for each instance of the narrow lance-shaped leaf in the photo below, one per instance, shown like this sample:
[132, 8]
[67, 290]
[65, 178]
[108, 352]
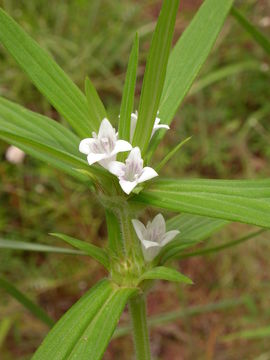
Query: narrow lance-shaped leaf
[260, 38]
[26, 302]
[27, 246]
[165, 273]
[115, 240]
[155, 73]
[47, 76]
[87, 326]
[52, 155]
[244, 201]
[95, 252]
[20, 121]
[187, 58]
[96, 108]
[128, 93]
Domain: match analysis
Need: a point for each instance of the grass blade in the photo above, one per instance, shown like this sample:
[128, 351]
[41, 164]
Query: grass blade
[223, 73]
[26, 302]
[171, 316]
[47, 76]
[171, 154]
[251, 29]
[222, 247]
[257, 333]
[155, 73]
[128, 93]
[93, 251]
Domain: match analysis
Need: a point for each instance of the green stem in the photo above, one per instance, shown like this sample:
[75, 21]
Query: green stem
[137, 308]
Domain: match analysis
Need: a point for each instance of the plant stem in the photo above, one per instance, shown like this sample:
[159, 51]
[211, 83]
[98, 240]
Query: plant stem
[137, 308]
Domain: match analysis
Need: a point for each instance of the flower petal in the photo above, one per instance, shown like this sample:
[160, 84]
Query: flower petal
[93, 158]
[169, 236]
[159, 227]
[162, 126]
[147, 174]
[150, 251]
[139, 228]
[85, 145]
[127, 186]
[106, 130]
[107, 160]
[117, 168]
[121, 146]
[135, 155]
[133, 123]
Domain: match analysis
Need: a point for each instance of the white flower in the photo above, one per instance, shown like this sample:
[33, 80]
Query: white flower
[133, 123]
[102, 148]
[132, 172]
[15, 155]
[154, 236]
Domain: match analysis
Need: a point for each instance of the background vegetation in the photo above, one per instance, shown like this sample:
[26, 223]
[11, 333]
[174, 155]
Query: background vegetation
[227, 115]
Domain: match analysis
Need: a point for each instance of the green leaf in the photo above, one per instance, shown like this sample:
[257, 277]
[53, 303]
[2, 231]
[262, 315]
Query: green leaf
[155, 73]
[193, 229]
[171, 154]
[26, 302]
[88, 326]
[128, 93]
[96, 108]
[47, 76]
[115, 239]
[244, 201]
[21, 121]
[165, 273]
[95, 252]
[261, 39]
[25, 246]
[187, 58]
[50, 154]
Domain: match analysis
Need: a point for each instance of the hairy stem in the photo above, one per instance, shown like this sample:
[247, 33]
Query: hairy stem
[137, 309]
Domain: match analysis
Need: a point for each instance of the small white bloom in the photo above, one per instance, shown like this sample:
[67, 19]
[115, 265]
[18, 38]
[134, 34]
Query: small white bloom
[102, 148]
[154, 236]
[133, 123]
[15, 155]
[132, 172]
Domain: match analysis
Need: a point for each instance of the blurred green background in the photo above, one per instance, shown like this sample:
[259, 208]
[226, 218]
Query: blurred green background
[227, 115]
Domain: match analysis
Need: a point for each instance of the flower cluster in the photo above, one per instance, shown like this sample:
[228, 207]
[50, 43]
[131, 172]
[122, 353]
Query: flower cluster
[104, 146]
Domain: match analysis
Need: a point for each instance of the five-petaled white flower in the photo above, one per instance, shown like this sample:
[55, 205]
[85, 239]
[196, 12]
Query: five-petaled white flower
[154, 236]
[102, 148]
[133, 123]
[132, 172]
